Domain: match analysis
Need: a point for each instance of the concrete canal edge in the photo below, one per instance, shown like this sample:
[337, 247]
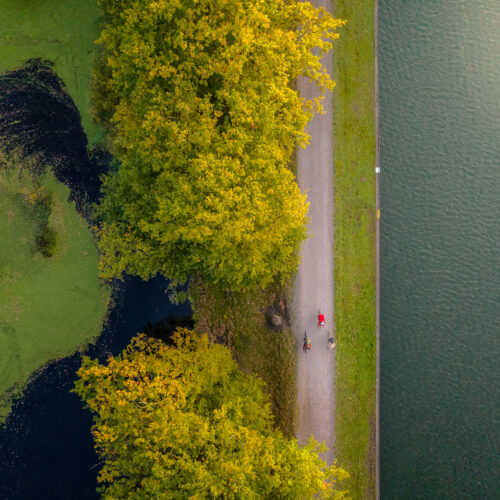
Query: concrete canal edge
[377, 264]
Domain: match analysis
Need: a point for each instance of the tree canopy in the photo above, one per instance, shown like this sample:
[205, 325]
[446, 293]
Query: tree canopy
[200, 101]
[183, 421]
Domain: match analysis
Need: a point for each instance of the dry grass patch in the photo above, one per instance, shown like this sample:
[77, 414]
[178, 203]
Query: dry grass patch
[244, 322]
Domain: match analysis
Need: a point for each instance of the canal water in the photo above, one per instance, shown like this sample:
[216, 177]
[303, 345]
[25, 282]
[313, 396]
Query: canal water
[439, 65]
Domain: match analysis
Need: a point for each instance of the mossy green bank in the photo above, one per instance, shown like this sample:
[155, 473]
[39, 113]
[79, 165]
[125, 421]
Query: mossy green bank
[51, 300]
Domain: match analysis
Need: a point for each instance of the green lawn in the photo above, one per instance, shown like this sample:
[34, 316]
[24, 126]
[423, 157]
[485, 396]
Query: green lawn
[62, 31]
[355, 217]
[48, 305]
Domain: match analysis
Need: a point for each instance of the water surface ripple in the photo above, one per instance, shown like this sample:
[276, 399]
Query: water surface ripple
[440, 240]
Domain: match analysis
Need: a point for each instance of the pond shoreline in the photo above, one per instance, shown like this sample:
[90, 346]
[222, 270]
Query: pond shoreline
[49, 184]
[47, 433]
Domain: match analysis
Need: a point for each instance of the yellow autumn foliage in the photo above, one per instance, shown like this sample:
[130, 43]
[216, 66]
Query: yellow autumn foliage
[204, 117]
[182, 421]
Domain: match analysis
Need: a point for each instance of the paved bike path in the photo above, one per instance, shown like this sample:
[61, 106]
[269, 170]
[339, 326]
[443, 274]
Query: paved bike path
[314, 282]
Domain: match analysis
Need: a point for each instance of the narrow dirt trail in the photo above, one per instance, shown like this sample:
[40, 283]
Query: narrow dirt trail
[314, 282]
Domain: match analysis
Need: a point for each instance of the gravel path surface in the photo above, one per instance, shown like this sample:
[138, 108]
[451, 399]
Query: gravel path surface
[314, 281]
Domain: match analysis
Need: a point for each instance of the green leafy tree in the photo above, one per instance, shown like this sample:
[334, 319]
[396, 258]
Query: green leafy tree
[204, 120]
[184, 422]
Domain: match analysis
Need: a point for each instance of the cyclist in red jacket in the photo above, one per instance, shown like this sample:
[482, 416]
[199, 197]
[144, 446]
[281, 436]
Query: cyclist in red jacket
[321, 319]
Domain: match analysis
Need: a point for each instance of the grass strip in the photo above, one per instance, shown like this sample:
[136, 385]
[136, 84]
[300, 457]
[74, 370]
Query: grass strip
[355, 265]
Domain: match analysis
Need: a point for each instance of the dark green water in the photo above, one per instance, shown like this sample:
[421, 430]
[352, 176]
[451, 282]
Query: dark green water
[439, 64]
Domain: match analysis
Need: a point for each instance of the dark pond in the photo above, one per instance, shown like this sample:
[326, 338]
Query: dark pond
[38, 117]
[46, 450]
